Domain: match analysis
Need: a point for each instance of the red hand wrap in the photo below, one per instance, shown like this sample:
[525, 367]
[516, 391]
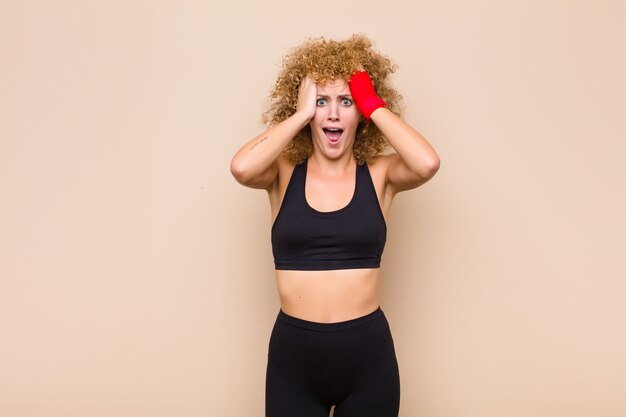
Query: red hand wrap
[363, 93]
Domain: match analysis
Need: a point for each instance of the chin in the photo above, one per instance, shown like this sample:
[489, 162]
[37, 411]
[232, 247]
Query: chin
[335, 153]
[332, 152]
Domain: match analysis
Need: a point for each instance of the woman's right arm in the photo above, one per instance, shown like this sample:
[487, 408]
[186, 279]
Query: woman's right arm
[254, 165]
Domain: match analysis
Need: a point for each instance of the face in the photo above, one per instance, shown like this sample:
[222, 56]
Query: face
[333, 128]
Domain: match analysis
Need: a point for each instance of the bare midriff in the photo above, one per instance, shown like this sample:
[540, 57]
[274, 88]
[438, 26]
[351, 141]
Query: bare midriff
[328, 296]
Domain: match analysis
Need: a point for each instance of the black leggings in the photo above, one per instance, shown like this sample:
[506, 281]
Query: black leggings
[350, 364]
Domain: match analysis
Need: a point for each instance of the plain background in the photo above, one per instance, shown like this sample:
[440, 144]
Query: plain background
[136, 276]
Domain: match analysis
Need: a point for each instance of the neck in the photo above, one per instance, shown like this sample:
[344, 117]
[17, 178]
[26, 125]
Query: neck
[333, 166]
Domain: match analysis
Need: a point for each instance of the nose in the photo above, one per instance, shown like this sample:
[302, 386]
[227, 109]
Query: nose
[333, 111]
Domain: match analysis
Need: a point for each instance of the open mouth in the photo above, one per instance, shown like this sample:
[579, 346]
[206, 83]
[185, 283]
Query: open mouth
[333, 134]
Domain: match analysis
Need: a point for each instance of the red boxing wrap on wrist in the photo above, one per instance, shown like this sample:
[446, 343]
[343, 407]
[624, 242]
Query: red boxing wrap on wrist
[364, 95]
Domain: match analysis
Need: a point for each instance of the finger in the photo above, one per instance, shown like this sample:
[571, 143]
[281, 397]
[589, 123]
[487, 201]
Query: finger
[308, 80]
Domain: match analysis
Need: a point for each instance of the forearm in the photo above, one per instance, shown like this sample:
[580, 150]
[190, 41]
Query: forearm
[256, 156]
[414, 150]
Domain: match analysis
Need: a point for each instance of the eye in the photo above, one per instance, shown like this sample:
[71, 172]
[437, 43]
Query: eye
[321, 101]
[346, 102]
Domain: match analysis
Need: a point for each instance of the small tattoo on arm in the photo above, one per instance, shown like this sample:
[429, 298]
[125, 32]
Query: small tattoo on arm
[262, 140]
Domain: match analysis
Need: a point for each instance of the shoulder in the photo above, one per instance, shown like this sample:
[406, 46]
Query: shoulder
[378, 166]
[285, 169]
[378, 169]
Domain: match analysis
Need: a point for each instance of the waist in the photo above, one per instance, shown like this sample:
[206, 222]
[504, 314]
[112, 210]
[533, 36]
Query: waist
[331, 326]
[328, 296]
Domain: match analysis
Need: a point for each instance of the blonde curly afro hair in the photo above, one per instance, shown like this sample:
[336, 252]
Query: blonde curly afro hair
[327, 60]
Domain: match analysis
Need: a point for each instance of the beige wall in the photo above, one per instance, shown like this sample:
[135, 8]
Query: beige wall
[136, 276]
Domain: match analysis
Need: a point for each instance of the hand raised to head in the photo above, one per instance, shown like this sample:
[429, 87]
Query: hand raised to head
[307, 97]
[363, 93]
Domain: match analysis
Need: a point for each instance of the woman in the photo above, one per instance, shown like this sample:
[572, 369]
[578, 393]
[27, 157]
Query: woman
[330, 190]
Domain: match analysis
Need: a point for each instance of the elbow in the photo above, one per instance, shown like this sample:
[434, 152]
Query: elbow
[238, 171]
[430, 168]
[434, 165]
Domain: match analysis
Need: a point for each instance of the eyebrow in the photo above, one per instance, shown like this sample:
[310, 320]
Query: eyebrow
[339, 96]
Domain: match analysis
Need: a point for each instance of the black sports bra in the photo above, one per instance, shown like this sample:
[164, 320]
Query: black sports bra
[351, 237]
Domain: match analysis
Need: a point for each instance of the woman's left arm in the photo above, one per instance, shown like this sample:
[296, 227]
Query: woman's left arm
[415, 160]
